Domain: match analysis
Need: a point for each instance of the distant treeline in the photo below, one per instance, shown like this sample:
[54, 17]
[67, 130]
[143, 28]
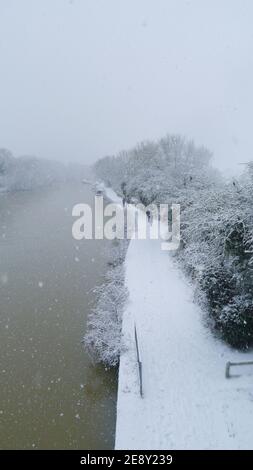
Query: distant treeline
[216, 223]
[26, 173]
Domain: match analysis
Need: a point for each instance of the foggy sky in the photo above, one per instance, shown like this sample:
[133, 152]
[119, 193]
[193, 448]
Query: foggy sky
[82, 79]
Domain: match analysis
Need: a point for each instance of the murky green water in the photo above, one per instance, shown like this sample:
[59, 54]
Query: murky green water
[51, 396]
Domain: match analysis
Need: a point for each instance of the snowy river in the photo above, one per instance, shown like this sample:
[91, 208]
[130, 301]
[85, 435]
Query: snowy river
[51, 395]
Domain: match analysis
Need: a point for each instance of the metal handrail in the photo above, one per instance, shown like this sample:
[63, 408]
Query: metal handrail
[138, 360]
[229, 364]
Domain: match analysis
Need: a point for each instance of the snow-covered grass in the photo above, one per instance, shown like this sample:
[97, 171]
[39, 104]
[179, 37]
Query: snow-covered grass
[188, 403]
[111, 195]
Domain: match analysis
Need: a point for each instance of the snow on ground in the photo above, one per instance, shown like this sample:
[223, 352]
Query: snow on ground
[188, 403]
[110, 194]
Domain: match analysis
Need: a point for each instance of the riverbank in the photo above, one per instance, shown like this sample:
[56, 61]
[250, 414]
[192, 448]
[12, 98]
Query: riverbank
[188, 403]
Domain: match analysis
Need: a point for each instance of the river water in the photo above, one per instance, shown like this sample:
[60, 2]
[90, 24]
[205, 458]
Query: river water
[51, 395]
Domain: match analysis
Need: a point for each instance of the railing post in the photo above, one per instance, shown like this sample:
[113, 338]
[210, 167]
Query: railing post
[227, 370]
[138, 360]
[230, 364]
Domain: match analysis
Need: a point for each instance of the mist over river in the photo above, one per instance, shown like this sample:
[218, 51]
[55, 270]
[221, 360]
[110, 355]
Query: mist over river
[52, 396]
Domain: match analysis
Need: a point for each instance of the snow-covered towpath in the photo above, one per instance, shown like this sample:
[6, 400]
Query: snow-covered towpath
[187, 403]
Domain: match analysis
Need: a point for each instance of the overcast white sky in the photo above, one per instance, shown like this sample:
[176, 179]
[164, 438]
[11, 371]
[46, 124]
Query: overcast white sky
[84, 78]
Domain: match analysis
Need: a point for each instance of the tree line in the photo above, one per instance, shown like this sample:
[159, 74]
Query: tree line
[216, 248]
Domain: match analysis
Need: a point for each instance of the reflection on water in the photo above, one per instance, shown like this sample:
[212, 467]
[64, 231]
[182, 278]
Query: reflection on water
[51, 395]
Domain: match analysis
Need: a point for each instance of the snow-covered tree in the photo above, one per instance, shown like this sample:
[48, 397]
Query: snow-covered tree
[28, 172]
[216, 223]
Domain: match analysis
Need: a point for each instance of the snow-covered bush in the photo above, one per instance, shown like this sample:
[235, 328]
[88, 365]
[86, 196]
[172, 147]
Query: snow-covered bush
[216, 232]
[103, 338]
[236, 321]
[219, 286]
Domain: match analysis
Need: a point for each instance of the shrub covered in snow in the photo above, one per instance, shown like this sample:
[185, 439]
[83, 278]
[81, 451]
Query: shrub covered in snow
[217, 237]
[236, 321]
[103, 337]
